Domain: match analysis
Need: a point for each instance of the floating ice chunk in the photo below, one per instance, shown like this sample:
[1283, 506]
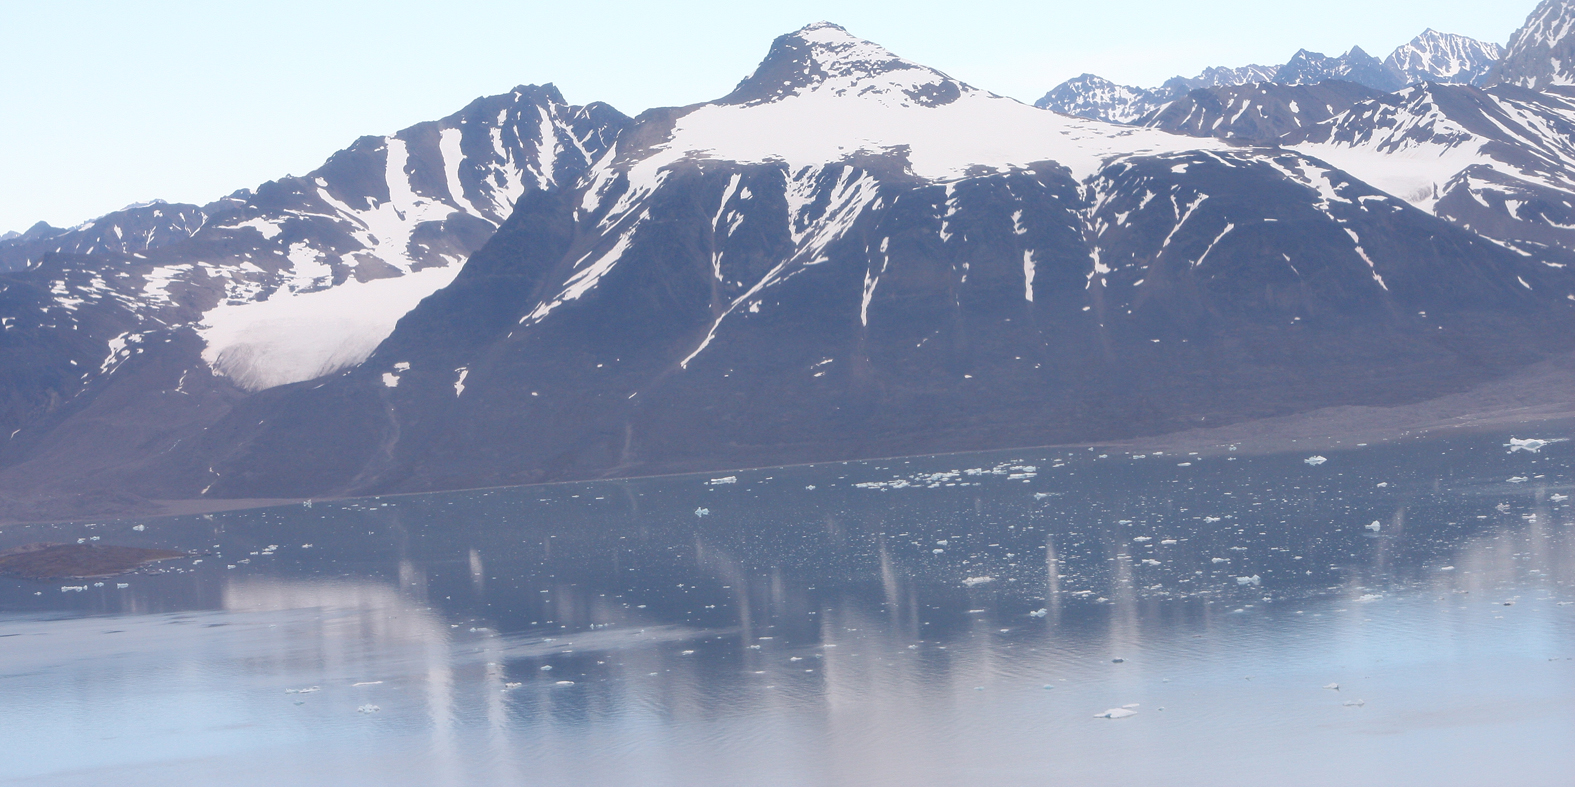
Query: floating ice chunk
[122, 585]
[1148, 561]
[139, 528]
[1502, 508]
[943, 542]
[1039, 613]
[72, 588]
[1252, 580]
[564, 683]
[1211, 519]
[1315, 460]
[511, 686]
[1446, 568]
[1049, 686]
[1354, 703]
[702, 511]
[1518, 479]
[1143, 539]
[368, 708]
[1375, 526]
[307, 690]
[1369, 597]
[937, 551]
[1219, 560]
[1041, 495]
[1116, 713]
[1383, 484]
[972, 581]
[1531, 444]
[732, 479]
[1558, 498]
[1168, 541]
[1333, 687]
[366, 683]
[811, 487]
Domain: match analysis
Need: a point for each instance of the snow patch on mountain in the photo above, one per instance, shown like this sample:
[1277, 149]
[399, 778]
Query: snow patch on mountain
[295, 336]
[1445, 57]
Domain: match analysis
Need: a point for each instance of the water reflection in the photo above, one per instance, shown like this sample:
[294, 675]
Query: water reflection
[960, 627]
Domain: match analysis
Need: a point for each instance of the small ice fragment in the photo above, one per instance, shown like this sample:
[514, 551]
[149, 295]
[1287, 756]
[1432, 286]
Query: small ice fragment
[1333, 687]
[368, 708]
[1168, 541]
[121, 585]
[565, 683]
[508, 686]
[1148, 561]
[1383, 484]
[1369, 597]
[1116, 713]
[1446, 568]
[937, 551]
[1117, 661]
[1219, 560]
[1252, 580]
[1041, 495]
[702, 511]
[546, 668]
[972, 581]
[1558, 498]
[1518, 479]
[1354, 703]
[307, 690]
[732, 479]
[687, 653]
[811, 487]
[1049, 686]
[1039, 613]
[1375, 526]
[139, 528]
[366, 683]
[1143, 539]
[1315, 460]
[72, 588]
[942, 542]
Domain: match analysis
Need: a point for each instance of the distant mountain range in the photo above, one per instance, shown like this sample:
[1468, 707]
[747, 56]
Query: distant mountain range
[1430, 57]
[849, 255]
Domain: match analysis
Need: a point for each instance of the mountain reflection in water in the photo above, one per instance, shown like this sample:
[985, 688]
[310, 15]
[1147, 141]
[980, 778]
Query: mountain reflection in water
[946, 620]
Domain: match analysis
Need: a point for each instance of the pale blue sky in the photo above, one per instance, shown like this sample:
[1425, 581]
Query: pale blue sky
[107, 103]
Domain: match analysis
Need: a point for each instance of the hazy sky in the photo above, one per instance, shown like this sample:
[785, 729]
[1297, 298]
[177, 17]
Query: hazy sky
[107, 103]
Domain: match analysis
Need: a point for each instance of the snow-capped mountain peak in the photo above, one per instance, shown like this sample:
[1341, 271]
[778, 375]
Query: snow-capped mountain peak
[825, 58]
[1542, 52]
[1445, 57]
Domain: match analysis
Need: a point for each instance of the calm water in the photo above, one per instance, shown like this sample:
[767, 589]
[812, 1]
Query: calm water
[947, 620]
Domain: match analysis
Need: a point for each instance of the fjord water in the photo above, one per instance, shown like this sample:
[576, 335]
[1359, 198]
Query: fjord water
[947, 620]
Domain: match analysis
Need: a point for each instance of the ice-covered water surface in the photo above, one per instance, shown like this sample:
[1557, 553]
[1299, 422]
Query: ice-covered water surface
[1032, 617]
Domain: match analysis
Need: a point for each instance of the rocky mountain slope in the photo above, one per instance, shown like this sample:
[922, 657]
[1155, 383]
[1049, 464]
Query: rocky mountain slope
[850, 255]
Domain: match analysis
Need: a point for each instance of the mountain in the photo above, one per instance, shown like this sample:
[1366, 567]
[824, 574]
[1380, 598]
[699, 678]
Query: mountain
[1445, 57]
[1098, 98]
[1091, 96]
[300, 278]
[1309, 68]
[1541, 53]
[1430, 57]
[853, 255]
[1500, 162]
[849, 255]
[1261, 113]
[132, 229]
